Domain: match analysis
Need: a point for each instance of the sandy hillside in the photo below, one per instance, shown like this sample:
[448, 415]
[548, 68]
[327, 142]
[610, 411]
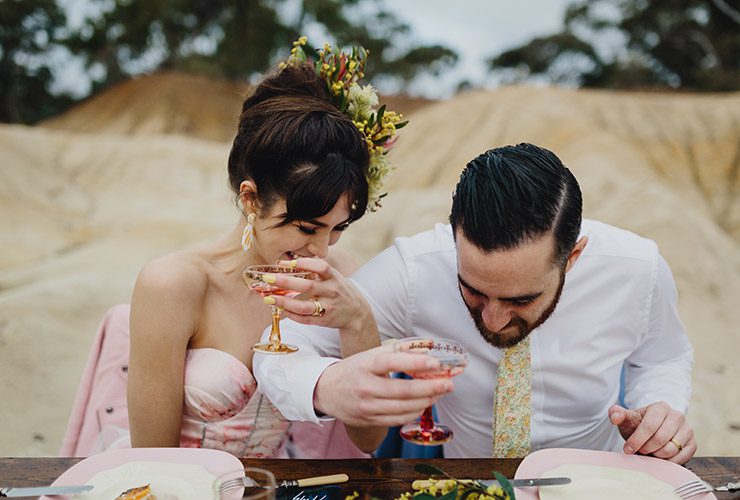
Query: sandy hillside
[139, 170]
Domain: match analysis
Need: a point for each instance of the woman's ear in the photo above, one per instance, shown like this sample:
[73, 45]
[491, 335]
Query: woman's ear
[576, 252]
[248, 197]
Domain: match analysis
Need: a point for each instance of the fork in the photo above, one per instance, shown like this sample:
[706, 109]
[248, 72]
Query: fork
[240, 482]
[697, 487]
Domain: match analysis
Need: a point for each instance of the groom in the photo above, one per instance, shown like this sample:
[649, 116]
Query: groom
[551, 308]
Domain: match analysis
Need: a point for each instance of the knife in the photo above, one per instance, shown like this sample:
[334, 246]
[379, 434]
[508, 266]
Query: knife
[515, 483]
[524, 483]
[43, 490]
[315, 481]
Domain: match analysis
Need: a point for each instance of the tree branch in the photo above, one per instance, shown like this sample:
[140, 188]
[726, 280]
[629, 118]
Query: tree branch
[726, 9]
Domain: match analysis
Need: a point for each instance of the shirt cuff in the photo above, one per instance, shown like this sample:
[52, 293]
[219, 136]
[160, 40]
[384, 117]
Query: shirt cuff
[306, 373]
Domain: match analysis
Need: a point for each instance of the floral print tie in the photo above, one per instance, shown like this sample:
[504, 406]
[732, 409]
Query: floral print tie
[512, 403]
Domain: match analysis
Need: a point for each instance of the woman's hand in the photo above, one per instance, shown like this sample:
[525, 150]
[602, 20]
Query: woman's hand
[329, 300]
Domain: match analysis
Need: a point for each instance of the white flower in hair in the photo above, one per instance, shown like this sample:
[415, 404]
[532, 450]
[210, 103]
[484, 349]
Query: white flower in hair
[362, 101]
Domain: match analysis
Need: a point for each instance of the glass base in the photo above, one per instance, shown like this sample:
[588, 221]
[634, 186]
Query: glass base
[439, 434]
[268, 349]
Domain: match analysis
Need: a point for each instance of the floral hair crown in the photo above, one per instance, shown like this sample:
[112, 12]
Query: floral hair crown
[341, 71]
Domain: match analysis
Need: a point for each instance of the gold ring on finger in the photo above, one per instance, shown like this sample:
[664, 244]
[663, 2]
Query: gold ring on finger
[677, 443]
[318, 309]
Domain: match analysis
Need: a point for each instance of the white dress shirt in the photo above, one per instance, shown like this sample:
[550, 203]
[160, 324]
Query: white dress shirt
[618, 307]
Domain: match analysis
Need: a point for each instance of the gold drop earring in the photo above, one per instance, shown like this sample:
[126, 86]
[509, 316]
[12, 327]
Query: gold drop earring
[247, 234]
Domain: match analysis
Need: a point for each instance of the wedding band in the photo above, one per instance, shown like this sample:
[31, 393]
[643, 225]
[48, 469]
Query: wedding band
[675, 441]
[318, 310]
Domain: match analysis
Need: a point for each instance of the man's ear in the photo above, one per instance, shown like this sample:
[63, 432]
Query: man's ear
[248, 196]
[576, 252]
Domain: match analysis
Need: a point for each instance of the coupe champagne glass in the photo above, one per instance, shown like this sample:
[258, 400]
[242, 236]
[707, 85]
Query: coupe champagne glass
[453, 358]
[257, 279]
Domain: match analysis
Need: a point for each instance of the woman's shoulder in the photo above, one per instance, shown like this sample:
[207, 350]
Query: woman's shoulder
[179, 275]
[168, 297]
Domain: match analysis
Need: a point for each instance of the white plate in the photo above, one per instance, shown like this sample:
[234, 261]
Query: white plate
[167, 481]
[540, 462]
[170, 469]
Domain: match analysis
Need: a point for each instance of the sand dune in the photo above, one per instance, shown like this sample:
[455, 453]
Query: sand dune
[139, 170]
[173, 103]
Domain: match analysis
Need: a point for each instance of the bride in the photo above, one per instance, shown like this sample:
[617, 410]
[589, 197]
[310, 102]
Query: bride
[299, 170]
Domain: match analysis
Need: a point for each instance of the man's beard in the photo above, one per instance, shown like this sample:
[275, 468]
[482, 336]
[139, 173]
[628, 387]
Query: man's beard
[523, 328]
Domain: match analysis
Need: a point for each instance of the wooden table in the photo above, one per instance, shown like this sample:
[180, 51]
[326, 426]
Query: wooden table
[383, 478]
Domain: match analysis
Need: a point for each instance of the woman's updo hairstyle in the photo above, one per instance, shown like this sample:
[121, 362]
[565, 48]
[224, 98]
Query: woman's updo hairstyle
[293, 143]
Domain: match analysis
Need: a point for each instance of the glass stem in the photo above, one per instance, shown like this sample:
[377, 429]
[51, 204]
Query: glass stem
[427, 420]
[275, 332]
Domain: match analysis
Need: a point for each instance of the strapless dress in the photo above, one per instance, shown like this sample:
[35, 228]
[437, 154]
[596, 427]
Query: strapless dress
[222, 410]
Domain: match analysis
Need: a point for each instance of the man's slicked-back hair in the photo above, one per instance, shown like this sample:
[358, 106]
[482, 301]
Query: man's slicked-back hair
[515, 194]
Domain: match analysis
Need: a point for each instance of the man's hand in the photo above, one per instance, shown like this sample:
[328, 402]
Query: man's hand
[359, 392]
[656, 429]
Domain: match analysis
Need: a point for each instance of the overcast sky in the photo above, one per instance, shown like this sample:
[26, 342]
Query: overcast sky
[476, 29]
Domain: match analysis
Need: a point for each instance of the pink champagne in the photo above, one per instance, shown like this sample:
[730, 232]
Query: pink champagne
[266, 289]
[443, 372]
[452, 364]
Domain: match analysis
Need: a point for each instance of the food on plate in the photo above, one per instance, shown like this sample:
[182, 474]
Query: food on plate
[605, 483]
[138, 493]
